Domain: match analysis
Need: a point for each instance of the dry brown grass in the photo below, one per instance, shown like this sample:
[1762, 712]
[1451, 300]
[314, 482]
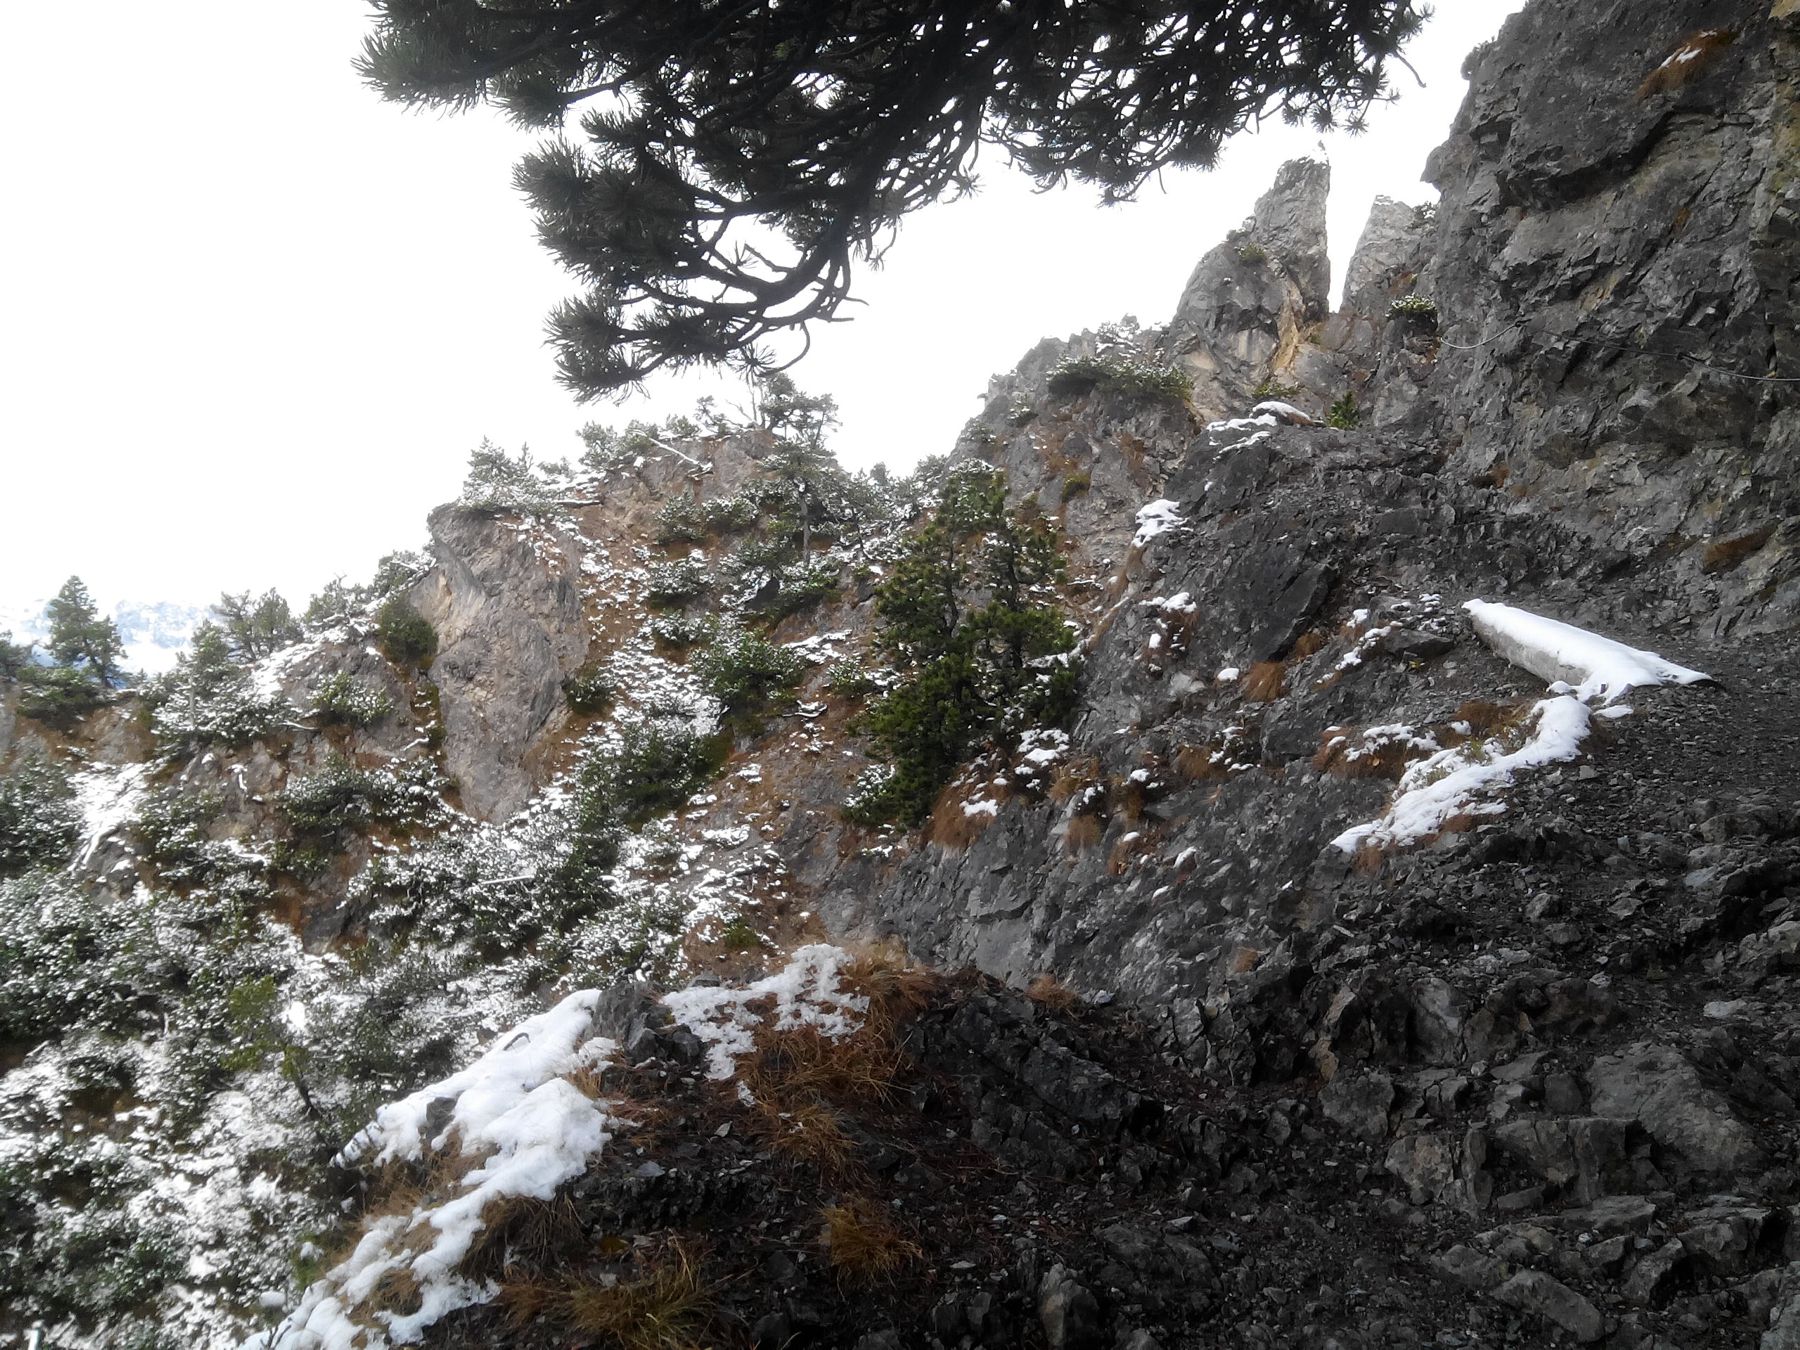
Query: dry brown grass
[1486, 718]
[1722, 555]
[397, 1291]
[1047, 991]
[798, 1076]
[1083, 833]
[1369, 860]
[1344, 754]
[799, 1062]
[586, 1081]
[895, 985]
[951, 826]
[668, 1307]
[809, 1132]
[1132, 448]
[1460, 823]
[1686, 59]
[864, 1244]
[1128, 797]
[1075, 776]
[520, 1229]
[1264, 682]
[1309, 642]
[1130, 846]
[1195, 763]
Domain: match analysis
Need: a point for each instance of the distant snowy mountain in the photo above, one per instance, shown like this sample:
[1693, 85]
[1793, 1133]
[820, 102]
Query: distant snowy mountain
[155, 631]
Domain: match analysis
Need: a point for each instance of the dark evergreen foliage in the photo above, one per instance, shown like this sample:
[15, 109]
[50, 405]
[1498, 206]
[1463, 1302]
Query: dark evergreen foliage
[735, 162]
[969, 618]
[405, 635]
[39, 822]
[81, 638]
[256, 628]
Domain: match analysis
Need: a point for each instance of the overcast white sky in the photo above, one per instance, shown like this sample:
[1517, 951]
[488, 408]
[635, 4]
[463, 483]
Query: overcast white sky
[256, 318]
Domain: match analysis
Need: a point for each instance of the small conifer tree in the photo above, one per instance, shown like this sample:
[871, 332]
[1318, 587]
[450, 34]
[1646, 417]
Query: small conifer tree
[971, 622]
[81, 638]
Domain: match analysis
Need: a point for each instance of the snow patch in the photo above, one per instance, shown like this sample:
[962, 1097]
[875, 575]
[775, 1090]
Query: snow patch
[107, 797]
[532, 1129]
[1154, 518]
[806, 992]
[1451, 782]
[1560, 653]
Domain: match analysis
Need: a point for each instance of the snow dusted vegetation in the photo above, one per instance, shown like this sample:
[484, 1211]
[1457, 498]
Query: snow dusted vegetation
[525, 1117]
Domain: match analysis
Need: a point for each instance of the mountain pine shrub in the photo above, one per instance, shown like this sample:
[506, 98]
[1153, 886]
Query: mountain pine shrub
[969, 616]
[341, 699]
[39, 821]
[406, 636]
[746, 672]
[590, 690]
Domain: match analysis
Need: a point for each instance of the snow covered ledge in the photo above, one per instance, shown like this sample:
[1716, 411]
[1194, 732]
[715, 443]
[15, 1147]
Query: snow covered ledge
[1582, 663]
[1579, 666]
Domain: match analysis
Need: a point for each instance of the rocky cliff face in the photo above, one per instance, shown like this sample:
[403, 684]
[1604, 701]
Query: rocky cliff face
[1614, 275]
[1379, 993]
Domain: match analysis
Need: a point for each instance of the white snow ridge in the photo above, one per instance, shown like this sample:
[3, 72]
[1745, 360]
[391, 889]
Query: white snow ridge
[1561, 653]
[1579, 666]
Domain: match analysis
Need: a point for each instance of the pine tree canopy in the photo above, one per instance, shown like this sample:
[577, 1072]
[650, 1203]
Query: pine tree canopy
[80, 636]
[718, 167]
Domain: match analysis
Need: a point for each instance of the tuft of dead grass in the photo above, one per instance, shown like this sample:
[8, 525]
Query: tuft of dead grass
[1075, 776]
[1308, 643]
[1130, 847]
[1083, 832]
[1487, 718]
[520, 1229]
[809, 1132]
[1722, 555]
[864, 1244]
[1047, 991]
[952, 827]
[668, 1307]
[1686, 59]
[896, 986]
[1195, 763]
[1344, 754]
[1265, 682]
[796, 1062]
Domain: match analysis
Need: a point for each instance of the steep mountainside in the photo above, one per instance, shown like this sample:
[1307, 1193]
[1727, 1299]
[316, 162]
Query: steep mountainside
[1363, 958]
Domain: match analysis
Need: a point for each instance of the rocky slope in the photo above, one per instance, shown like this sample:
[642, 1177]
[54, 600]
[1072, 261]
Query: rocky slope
[1225, 1020]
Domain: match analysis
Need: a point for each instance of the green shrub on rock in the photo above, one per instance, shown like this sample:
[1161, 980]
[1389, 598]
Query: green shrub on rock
[405, 635]
[745, 671]
[39, 821]
[590, 690]
[343, 700]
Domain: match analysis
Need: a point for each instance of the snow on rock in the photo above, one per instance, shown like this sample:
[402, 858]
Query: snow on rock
[1452, 782]
[107, 798]
[1177, 605]
[1589, 665]
[1283, 412]
[269, 676]
[807, 991]
[1154, 518]
[1580, 667]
